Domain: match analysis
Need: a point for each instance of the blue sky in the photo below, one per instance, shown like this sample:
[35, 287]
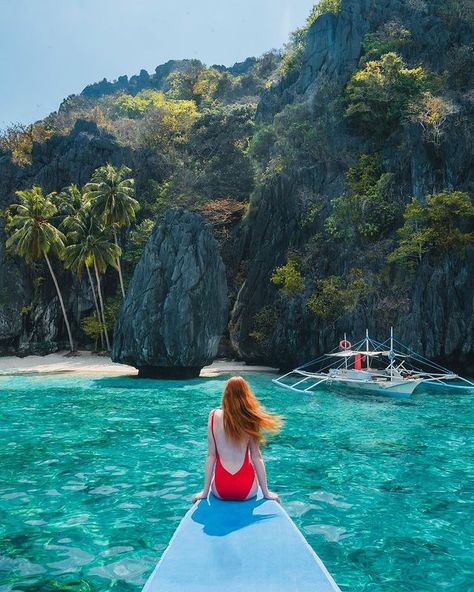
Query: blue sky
[50, 49]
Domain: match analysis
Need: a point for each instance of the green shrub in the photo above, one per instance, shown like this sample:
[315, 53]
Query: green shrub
[292, 59]
[388, 38]
[264, 323]
[311, 214]
[180, 83]
[442, 226]
[460, 64]
[92, 328]
[112, 309]
[323, 7]
[432, 113]
[262, 143]
[367, 210]
[218, 147]
[335, 296]
[289, 142]
[18, 140]
[136, 242]
[457, 12]
[379, 96]
[288, 277]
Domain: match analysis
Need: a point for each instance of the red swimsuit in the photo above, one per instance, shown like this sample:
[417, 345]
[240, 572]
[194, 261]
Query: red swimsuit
[232, 486]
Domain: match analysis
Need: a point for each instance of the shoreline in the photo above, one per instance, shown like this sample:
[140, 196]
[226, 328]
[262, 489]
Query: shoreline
[90, 363]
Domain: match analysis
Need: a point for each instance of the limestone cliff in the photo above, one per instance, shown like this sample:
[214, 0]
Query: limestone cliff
[433, 309]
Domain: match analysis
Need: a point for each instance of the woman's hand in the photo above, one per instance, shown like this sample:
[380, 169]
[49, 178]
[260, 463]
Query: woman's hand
[199, 496]
[270, 495]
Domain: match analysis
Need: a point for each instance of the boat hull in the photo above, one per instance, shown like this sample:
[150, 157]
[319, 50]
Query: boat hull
[239, 546]
[382, 388]
[389, 388]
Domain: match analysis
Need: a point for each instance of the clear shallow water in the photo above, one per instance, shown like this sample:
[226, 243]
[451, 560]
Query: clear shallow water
[95, 475]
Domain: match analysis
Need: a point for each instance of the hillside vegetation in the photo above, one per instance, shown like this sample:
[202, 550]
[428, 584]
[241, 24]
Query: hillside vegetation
[336, 174]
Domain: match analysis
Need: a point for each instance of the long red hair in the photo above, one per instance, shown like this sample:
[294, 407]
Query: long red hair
[243, 414]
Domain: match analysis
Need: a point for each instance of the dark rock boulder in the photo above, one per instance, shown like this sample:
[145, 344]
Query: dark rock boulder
[175, 311]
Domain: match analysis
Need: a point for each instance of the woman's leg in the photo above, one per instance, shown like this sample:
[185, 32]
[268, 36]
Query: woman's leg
[253, 490]
[214, 490]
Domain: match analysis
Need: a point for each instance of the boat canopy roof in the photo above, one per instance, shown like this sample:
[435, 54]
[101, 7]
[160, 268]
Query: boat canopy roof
[349, 353]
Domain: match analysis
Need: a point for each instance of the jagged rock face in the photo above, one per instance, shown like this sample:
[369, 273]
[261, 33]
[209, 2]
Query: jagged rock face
[175, 311]
[333, 45]
[158, 80]
[431, 310]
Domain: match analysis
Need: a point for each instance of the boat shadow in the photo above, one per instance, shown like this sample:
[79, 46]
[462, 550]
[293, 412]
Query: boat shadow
[126, 381]
[220, 518]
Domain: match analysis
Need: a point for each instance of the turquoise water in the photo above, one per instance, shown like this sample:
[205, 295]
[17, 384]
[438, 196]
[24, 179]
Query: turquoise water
[95, 475]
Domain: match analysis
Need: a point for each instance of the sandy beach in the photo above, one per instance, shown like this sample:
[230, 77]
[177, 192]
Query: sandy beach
[89, 363]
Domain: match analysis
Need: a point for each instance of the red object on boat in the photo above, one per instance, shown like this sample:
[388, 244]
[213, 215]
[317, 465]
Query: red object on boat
[344, 344]
[359, 358]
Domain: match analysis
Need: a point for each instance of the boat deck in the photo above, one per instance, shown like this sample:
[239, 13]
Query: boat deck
[250, 546]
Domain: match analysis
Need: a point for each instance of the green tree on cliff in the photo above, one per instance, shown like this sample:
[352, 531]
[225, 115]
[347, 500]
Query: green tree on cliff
[441, 226]
[111, 197]
[323, 7]
[383, 93]
[33, 236]
[218, 145]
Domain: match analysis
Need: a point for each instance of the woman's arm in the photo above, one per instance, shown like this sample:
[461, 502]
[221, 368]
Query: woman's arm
[210, 462]
[259, 466]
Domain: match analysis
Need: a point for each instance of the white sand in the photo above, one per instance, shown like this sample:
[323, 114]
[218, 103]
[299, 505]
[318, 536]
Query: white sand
[89, 363]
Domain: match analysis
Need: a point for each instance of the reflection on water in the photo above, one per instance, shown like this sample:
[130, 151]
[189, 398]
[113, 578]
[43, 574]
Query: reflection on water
[95, 475]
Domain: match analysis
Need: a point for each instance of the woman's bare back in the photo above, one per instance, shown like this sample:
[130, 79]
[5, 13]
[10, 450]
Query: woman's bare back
[232, 454]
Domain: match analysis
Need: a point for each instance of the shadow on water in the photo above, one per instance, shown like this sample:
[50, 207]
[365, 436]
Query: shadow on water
[220, 518]
[374, 398]
[138, 383]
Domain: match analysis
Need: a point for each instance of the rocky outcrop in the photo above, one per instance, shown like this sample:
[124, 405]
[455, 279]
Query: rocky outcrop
[333, 45]
[142, 81]
[175, 311]
[432, 309]
[158, 80]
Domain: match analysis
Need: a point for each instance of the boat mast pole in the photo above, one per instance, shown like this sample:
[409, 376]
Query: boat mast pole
[345, 357]
[391, 354]
[367, 348]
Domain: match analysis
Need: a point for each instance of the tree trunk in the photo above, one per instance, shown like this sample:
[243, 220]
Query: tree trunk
[94, 295]
[60, 296]
[99, 291]
[119, 267]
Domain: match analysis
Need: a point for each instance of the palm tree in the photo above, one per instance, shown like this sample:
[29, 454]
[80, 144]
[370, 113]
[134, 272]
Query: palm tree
[90, 247]
[33, 236]
[110, 194]
[69, 201]
[70, 204]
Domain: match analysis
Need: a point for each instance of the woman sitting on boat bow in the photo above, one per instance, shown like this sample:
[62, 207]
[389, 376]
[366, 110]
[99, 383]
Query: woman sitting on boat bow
[234, 464]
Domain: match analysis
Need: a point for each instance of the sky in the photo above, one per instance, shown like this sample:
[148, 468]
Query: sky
[50, 49]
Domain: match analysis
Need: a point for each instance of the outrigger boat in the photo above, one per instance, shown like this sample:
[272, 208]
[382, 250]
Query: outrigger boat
[371, 366]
